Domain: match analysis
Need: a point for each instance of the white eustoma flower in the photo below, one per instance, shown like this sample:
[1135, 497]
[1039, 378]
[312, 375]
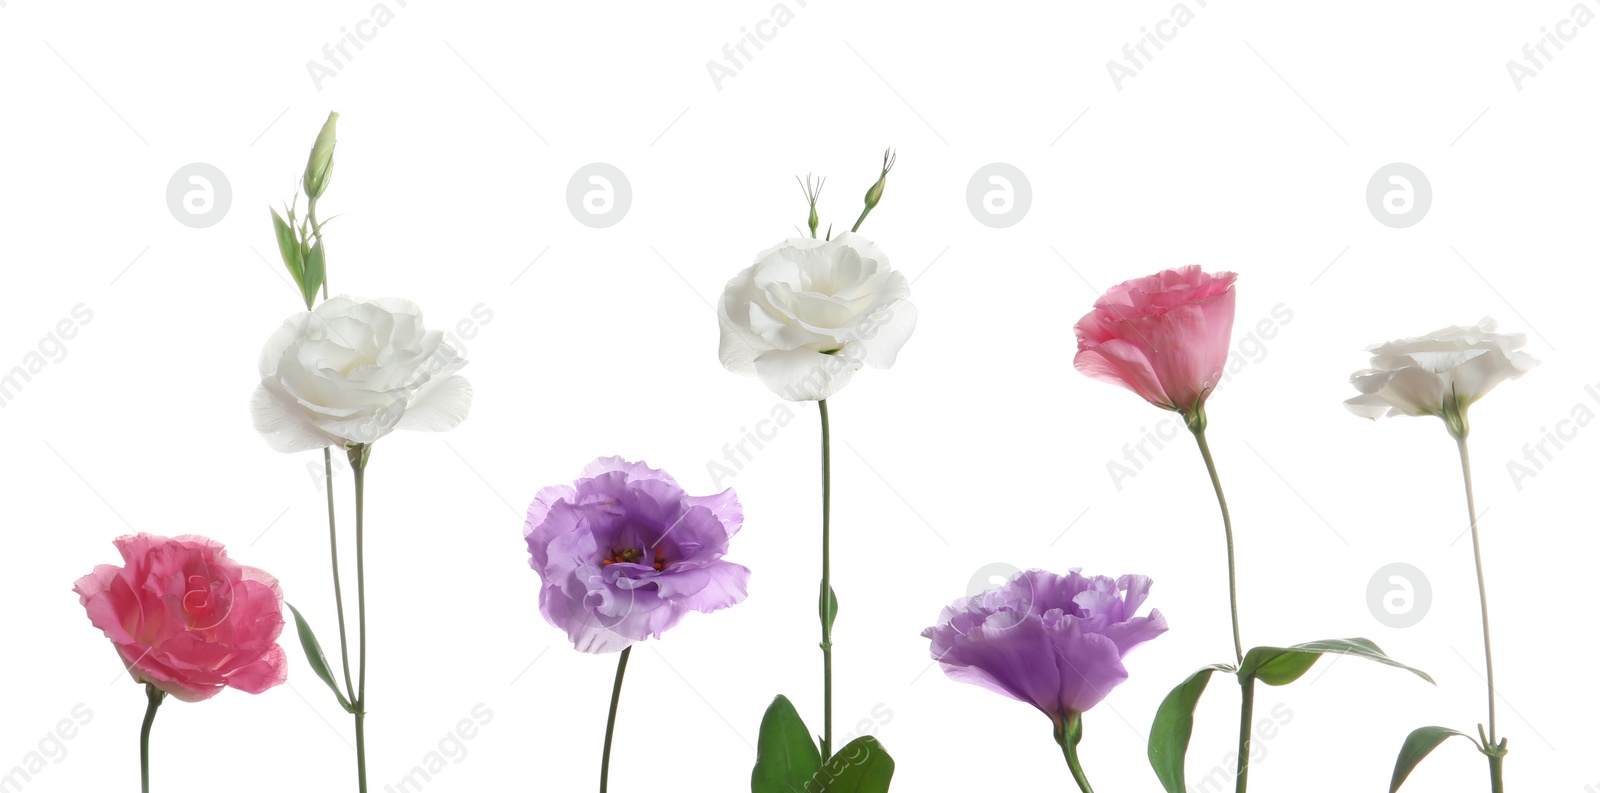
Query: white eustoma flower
[810, 312]
[351, 371]
[1439, 374]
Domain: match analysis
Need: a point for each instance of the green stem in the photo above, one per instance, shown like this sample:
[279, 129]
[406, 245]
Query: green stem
[827, 594]
[1483, 604]
[316, 231]
[154, 696]
[1247, 701]
[358, 463]
[1068, 734]
[611, 718]
[1198, 427]
[333, 546]
[861, 219]
[1496, 783]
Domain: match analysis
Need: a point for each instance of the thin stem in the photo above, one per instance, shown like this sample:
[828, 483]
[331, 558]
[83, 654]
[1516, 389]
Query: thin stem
[827, 595]
[358, 462]
[333, 547]
[1483, 595]
[861, 219]
[1227, 529]
[316, 231]
[611, 718]
[1069, 748]
[154, 696]
[1496, 782]
[1247, 702]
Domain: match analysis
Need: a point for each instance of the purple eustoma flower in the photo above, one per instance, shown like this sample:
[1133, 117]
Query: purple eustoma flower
[1054, 642]
[624, 554]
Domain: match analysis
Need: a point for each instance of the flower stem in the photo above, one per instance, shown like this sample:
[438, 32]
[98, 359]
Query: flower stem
[1197, 425]
[611, 718]
[1199, 429]
[1483, 607]
[1496, 783]
[827, 595]
[1247, 703]
[1068, 733]
[358, 463]
[333, 547]
[316, 232]
[154, 696]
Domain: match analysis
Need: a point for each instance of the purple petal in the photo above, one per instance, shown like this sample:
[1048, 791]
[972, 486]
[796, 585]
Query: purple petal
[1089, 665]
[1007, 657]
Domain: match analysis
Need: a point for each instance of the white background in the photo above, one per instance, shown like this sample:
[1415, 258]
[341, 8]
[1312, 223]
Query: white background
[1246, 144]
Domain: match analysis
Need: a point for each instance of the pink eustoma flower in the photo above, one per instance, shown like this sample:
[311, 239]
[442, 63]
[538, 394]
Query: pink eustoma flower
[1164, 337]
[187, 619]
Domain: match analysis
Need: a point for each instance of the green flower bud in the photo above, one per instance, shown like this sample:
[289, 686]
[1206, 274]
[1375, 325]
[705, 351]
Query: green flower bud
[875, 192]
[812, 193]
[320, 165]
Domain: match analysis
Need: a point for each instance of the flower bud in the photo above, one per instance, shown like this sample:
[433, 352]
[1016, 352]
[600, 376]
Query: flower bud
[320, 165]
[875, 192]
[813, 191]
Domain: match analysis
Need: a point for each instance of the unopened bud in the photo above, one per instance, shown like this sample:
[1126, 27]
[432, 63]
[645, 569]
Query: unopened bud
[320, 165]
[875, 192]
[812, 193]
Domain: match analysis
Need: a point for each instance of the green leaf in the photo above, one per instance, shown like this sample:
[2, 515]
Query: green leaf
[1418, 744]
[316, 272]
[289, 249]
[827, 606]
[862, 766]
[786, 759]
[1283, 669]
[1169, 735]
[1277, 666]
[314, 656]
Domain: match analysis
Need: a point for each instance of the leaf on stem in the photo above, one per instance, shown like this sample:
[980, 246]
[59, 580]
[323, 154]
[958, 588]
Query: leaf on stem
[1174, 724]
[862, 766]
[786, 759]
[315, 272]
[1277, 666]
[314, 656]
[827, 606]
[1418, 744]
[289, 250]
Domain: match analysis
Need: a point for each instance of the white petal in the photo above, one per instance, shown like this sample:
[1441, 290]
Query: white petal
[1415, 391]
[280, 341]
[1369, 406]
[441, 407]
[1370, 381]
[803, 375]
[368, 425]
[885, 331]
[285, 425]
[739, 346]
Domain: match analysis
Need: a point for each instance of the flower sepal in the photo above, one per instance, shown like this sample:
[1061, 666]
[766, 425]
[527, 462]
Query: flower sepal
[1455, 417]
[358, 454]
